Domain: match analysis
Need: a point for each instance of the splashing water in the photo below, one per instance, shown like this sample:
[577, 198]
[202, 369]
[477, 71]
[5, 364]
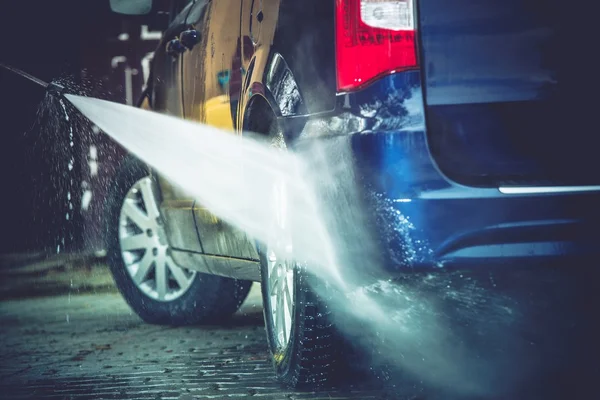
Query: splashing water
[234, 177]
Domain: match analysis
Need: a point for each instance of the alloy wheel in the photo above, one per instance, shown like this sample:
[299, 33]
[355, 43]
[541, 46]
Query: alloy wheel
[144, 246]
[280, 271]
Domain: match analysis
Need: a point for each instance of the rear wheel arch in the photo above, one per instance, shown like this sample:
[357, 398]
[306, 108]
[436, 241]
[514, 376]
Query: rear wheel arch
[259, 115]
[270, 86]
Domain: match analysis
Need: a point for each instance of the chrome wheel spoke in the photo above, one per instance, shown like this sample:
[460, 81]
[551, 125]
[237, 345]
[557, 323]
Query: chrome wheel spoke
[133, 212]
[143, 266]
[149, 198]
[273, 279]
[140, 229]
[280, 316]
[135, 242]
[178, 273]
[288, 299]
[161, 277]
[280, 279]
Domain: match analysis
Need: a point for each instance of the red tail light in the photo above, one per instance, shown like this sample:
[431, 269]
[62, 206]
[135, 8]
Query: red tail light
[373, 38]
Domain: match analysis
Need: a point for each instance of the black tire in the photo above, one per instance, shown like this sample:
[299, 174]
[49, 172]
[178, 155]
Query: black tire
[309, 360]
[209, 299]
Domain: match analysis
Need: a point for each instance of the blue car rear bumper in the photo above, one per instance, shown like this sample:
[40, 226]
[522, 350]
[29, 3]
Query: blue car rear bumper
[423, 219]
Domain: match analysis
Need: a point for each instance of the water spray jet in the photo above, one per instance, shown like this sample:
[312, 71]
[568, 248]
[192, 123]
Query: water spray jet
[401, 324]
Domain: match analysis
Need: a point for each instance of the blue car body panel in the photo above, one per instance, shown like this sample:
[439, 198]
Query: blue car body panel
[510, 91]
[420, 217]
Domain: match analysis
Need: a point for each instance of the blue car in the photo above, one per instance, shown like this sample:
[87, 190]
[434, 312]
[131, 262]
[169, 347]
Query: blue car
[469, 126]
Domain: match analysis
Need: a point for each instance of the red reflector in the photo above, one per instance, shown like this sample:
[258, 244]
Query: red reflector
[373, 38]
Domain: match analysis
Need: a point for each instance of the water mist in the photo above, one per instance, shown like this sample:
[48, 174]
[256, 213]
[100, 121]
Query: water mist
[233, 176]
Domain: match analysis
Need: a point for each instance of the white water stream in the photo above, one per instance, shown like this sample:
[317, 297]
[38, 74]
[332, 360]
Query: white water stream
[234, 177]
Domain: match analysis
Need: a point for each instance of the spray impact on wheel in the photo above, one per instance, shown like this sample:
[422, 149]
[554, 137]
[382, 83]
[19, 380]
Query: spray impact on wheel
[400, 323]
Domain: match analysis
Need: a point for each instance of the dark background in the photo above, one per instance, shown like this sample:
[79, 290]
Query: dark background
[76, 41]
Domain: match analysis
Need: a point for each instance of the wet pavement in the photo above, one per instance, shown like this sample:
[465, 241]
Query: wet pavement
[82, 345]
[92, 346]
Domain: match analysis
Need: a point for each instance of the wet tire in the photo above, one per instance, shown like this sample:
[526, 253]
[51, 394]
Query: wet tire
[308, 359]
[207, 299]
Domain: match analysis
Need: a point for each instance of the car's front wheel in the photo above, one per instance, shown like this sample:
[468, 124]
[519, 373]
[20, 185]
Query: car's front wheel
[158, 289]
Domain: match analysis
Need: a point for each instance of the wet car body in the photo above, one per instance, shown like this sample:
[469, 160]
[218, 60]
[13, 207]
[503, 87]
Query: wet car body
[246, 71]
[452, 217]
[523, 206]
[438, 221]
[460, 156]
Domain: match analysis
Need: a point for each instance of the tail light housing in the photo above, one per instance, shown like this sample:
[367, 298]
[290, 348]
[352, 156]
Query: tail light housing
[373, 38]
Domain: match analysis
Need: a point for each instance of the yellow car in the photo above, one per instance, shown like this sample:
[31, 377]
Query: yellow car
[173, 260]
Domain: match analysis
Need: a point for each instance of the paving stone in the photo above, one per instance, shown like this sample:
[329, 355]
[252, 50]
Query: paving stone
[92, 346]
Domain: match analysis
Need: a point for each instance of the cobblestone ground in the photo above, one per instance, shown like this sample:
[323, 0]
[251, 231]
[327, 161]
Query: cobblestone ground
[82, 346]
[93, 346]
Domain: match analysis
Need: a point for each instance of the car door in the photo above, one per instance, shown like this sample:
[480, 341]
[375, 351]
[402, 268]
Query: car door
[166, 97]
[211, 83]
[166, 71]
[211, 88]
